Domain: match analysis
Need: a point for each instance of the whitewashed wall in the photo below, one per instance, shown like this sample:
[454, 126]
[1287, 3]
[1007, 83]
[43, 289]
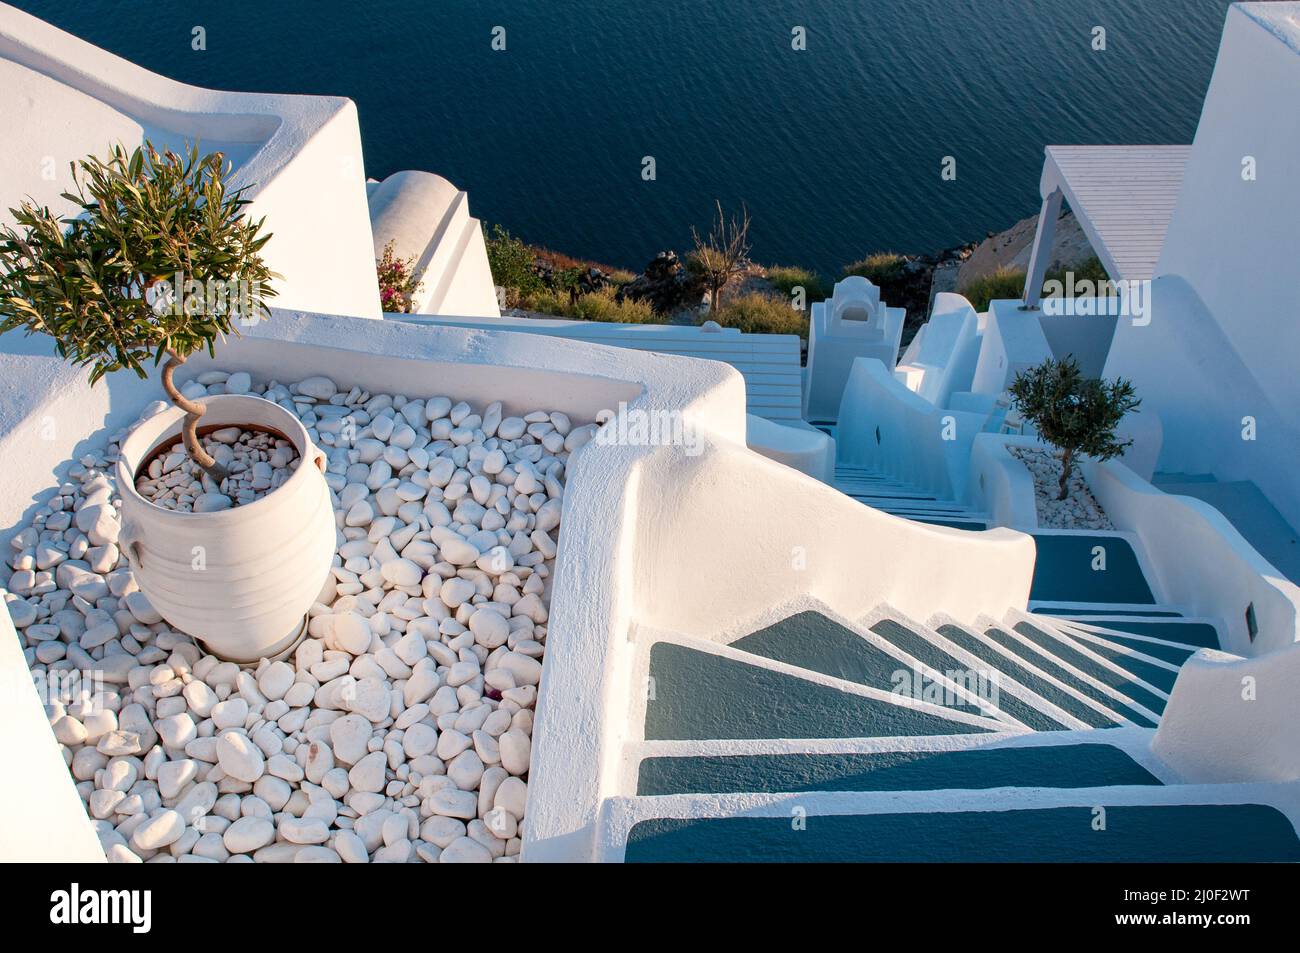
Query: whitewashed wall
[883, 425]
[1012, 342]
[1199, 561]
[65, 98]
[1223, 338]
[427, 218]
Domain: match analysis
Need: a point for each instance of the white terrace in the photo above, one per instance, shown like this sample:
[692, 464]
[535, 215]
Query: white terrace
[832, 590]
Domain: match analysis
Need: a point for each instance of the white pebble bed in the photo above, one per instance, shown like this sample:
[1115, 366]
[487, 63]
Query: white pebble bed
[1079, 510]
[256, 462]
[399, 731]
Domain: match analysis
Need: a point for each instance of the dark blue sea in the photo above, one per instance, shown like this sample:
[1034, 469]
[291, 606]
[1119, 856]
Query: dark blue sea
[837, 149]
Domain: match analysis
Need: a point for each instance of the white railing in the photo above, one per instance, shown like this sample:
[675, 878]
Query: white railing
[885, 426]
[1200, 561]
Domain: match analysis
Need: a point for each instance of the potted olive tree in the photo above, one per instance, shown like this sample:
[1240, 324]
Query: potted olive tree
[1073, 413]
[158, 262]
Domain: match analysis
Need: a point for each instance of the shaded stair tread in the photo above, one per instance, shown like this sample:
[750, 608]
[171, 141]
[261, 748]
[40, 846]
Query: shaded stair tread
[1161, 678]
[1199, 634]
[975, 525]
[1046, 766]
[1187, 833]
[1052, 665]
[1067, 650]
[925, 651]
[810, 640]
[861, 492]
[699, 695]
[1035, 683]
[1173, 654]
[909, 503]
[1063, 571]
[1082, 611]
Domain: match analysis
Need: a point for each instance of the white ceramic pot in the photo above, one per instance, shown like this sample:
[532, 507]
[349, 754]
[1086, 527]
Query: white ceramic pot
[241, 580]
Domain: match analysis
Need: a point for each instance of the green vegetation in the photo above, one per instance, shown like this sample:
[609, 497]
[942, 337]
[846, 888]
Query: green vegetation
[158, 260]
[511, 262]
[549, 282]
[881, 268]
[756, 313]
[1073, 413]
[786, 279]
[1005, 283]
[601, 305]
[1008, 283]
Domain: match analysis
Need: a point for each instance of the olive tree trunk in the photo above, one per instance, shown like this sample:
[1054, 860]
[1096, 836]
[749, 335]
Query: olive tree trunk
[190, 429]
[1067, 464]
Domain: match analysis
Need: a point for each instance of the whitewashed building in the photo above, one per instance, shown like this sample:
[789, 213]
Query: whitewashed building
[608, 593]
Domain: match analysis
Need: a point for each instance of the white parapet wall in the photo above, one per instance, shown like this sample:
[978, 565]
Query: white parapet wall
[300, 155]
[1232, 719]
[1200, 561]
[945, 349]
[1000, 484]
[804, 448]
[50, 415]
[44, 819]
[705, 538]
[731, 535]
[1013, 341]
[885, 426]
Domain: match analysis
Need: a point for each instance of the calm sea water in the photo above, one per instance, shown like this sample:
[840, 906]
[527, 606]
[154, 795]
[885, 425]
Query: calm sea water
[837, 150]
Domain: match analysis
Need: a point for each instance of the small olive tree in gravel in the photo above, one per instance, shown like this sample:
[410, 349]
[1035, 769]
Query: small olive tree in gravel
[157, 261]
[1073, 413]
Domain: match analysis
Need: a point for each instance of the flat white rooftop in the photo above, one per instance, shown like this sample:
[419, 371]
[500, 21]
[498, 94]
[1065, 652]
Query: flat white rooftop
[1123, 197]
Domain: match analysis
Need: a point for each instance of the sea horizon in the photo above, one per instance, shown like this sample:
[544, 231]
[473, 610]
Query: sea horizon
[837, 150]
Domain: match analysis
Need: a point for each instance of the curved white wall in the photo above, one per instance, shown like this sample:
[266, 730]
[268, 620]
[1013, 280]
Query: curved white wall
[1199, 561]
[885, 426]
[427, 218]
[301, 154]
[729, 534]
[805, 448]
[943, 361]
[1223, 337]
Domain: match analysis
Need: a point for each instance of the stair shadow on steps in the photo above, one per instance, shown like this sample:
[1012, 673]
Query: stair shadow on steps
[1106, 610]
[1178, 833]
[932, 655]
[1173, 654]
[1064, 649]
[698, 695]
[1053, 693]
[1046, 766]
[1053, 666]
[811, 640]
[1200, 634]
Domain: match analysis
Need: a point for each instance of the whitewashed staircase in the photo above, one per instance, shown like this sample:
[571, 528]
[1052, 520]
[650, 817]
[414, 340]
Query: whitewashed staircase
[1025, 738]
[904, 499]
